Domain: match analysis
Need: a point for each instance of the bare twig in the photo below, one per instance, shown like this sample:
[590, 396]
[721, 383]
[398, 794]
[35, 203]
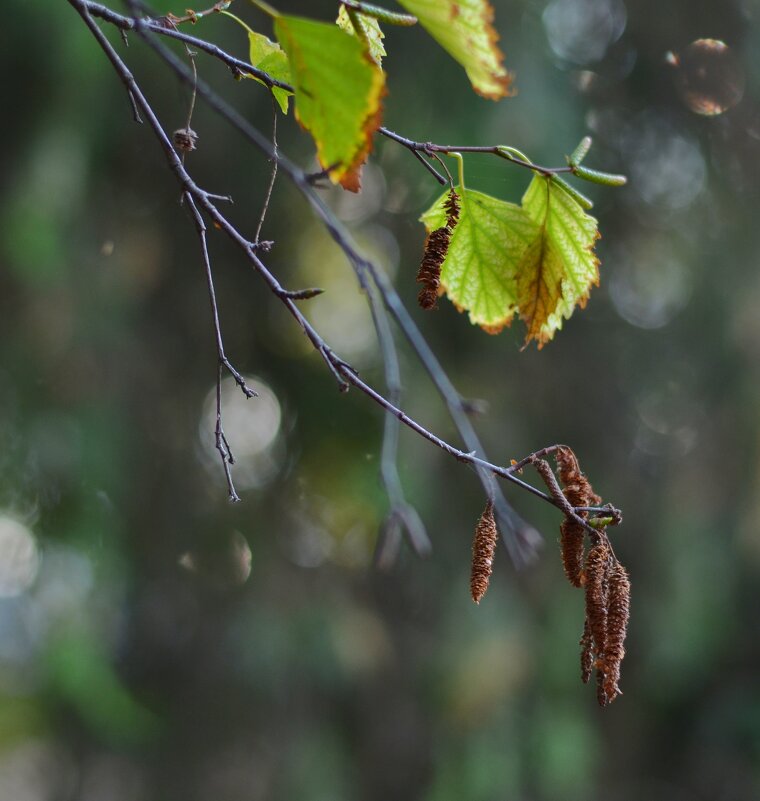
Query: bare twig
[400, 510]
[135, 111]
[273, 178]
[520, 541]
[429, 148]
[238, 65]
[222, 445]
[194, 16]
[429, 167]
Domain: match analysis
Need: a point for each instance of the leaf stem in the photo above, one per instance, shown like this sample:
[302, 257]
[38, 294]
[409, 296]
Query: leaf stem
[380, 14]
[238, 20]
[460, 168]
[266, 8]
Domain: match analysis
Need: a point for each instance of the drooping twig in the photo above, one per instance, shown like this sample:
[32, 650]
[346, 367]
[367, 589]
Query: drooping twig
[158, 25]
[342, 371]
[524, 539]
[272, 179]
[222, 445]
[194, 16]
[402, 515]
[135, 111]
[200, 227]
[415, 147]
[430, 148]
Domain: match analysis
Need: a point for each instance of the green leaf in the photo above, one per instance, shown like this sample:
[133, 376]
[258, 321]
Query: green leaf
[369, 32]
[487, 245]
[268, 56]
[463, 28]
[559, 268]
[338, 93]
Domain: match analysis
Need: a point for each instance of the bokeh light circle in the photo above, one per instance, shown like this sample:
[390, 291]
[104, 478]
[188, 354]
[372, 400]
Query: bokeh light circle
[709, 77]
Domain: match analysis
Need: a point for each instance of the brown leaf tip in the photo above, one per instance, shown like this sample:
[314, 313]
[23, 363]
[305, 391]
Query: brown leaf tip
[483, 549]
[436, 248]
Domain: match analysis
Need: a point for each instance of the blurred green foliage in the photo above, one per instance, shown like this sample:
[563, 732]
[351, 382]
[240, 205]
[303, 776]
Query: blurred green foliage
[158, 643]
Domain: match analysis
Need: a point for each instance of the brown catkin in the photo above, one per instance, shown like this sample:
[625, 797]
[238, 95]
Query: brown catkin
[578, 491]
[587, 654]
[618, 611]
[597, 564]
[483, 549]
[575, 485]
[436, 248]
[571, 546]
[601, 695]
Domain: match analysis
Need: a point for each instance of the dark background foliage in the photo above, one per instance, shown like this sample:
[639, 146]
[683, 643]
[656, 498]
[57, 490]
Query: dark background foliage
[158, 643]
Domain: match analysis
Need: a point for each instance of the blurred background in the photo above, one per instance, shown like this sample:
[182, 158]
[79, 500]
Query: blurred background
[158, 643]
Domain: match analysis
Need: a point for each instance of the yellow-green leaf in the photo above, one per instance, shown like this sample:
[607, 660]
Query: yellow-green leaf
[270, 57]
[266, 55]
[463, 28]
[370, 32]
[338, 93]
[559, 268]
[487, 245]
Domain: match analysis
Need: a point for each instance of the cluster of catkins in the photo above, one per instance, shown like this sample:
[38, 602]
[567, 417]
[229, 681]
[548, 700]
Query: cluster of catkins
[596, 570]
[436, 248]
[603, 579]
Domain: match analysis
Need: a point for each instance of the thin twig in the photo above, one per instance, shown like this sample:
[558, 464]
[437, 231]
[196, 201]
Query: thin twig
[220, 440]
[194, 16]
[268, 195]
[237, 65]
[443, 167]
[496, 150]
[200, 227]
[429, 167]
[340, 369]
[135, 111]
[400, 509]
[523, 540]
[191, 57]
[222, 445]
[156, 26]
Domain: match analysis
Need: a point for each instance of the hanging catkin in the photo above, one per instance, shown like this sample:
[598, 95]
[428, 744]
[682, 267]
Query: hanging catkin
[601, 695]
[571, 547]
[587, 652]
[578, 491]
[575, 485]
[483, 549]
[618, 610]
[596, 594]
[436, 248]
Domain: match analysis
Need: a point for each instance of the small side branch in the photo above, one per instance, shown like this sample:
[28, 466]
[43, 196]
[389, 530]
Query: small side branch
[522, 539]
[222, 445]
[272, 179]
[402, 515]
[429, 148]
